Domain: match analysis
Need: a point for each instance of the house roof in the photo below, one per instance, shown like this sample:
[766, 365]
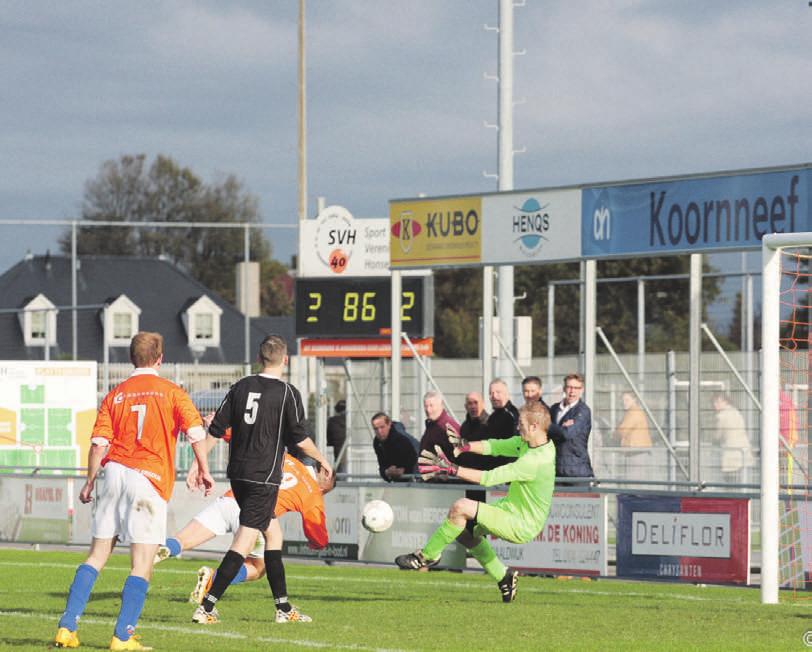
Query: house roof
[157, 286]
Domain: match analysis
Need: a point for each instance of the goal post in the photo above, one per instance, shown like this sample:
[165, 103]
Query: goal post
[771, 387]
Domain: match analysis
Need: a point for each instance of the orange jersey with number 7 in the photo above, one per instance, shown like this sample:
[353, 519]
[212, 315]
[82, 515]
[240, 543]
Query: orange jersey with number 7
[141, 419]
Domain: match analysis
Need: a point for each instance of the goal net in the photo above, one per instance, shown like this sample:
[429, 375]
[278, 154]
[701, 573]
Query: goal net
[786, 504]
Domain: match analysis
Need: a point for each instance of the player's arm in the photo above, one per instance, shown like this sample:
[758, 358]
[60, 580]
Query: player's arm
[314, 525]
[192, 475]
[191, 423]
[437, 464]
[99, 443]
[307, 446]
[580, 426]
[98, 449]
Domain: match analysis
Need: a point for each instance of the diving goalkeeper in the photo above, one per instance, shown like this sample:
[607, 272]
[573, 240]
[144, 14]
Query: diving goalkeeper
[518, 517]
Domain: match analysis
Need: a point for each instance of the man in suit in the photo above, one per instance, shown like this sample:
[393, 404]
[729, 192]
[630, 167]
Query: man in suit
[571, 424]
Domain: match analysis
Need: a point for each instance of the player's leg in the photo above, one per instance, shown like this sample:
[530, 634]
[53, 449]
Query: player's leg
[217, 518]
[256, 503]
[460, 512]
[104, 528]
[255, 568]
[80, 589]
[144, 527]
[247, 572]
[275, 571]
[492, 519]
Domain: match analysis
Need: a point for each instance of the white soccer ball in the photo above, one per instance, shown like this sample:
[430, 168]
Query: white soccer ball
[377, 516]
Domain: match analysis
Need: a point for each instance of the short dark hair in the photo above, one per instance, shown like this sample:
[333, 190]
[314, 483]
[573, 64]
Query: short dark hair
[532, 379]
[272, 350]
[341, 405]
[378, 415]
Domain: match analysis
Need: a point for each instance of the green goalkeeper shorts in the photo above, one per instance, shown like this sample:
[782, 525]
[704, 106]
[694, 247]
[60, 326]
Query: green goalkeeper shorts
[498, 521]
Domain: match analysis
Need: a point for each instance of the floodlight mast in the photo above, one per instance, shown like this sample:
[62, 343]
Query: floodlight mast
[505, 287]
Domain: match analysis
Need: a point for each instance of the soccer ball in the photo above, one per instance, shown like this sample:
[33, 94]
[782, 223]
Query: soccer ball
[377, 516]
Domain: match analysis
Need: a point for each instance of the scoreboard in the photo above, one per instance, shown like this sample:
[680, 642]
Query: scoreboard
[362, 306]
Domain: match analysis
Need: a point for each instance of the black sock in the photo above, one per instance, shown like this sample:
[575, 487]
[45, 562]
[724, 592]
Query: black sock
[227, 571]
[275, 572]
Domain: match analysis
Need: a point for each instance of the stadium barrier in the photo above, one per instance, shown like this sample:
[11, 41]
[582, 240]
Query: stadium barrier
[598, 531]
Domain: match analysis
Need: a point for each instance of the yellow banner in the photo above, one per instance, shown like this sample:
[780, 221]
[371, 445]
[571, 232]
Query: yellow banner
[435, 232]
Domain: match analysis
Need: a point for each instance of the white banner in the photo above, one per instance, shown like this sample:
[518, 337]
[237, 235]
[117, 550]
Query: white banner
[337, 244]
[681, 534]
[573, 540]
[520, 228]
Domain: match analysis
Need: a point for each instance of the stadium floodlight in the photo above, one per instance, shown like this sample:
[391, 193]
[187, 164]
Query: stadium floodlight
[785, 262]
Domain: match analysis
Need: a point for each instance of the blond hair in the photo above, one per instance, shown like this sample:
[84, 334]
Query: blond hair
[146, 348]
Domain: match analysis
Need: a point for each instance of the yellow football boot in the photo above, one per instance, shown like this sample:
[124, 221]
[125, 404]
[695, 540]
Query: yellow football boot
[66, 638]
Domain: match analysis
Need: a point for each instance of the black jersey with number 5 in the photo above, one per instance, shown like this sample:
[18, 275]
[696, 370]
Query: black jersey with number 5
[265, 415]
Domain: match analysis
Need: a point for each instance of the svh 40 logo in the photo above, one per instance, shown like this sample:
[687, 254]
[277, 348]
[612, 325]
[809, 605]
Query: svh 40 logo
[335, 238]
[602, 219]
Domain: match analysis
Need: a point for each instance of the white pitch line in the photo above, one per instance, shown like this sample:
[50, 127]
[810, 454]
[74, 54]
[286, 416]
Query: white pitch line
[215, 633]
[425, 582]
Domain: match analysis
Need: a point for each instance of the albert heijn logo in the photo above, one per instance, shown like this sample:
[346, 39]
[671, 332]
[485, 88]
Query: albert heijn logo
[602, 218]
[406, 229]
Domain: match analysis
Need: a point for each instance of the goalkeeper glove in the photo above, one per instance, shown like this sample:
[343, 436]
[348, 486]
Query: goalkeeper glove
[460, 445]
[435, 464]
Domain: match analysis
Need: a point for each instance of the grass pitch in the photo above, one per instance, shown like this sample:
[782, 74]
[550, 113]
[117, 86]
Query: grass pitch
[362, 608]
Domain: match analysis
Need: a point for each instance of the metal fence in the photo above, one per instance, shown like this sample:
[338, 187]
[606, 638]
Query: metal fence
[662, 384]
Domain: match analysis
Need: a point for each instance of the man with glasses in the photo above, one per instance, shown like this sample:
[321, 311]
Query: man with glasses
[571, 424]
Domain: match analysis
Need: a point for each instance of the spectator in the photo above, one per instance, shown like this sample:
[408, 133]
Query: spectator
[476, 418]
[571, 424]
[437, 421]
[531, 390]
[395, 448]
[732, 435]
[633, 428]
[474, 428]
[337, 434]
[503, 422]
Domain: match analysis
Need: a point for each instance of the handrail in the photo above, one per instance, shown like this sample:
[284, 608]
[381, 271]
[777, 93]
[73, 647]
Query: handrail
[642, 402]
[750, 393]
[418, 358]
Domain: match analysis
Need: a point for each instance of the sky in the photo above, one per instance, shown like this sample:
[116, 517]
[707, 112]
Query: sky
[397, 97]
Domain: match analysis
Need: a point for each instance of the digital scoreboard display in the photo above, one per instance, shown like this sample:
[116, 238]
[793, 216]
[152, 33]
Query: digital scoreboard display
[362, 307]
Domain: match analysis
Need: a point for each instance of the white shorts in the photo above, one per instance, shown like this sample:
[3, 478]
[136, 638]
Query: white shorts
[223, 517]
[128, 506]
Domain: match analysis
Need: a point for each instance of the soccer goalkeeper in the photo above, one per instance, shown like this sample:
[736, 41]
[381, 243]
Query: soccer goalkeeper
[518, 517]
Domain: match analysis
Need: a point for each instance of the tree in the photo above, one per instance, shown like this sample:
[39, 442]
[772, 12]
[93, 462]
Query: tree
[458, 305]
[127, 190]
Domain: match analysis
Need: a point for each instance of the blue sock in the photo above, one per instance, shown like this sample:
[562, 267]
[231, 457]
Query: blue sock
[132, 602]
[174, 547]
[78, 596]
[241, 575]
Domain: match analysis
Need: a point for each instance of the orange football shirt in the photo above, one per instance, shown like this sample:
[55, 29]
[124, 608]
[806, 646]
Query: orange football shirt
[141, 418]
[299, 492]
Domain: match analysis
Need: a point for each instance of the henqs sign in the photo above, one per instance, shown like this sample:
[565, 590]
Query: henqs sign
[435, 232]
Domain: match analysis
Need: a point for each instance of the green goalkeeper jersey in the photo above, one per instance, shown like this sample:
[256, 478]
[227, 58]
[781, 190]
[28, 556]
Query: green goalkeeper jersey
[531, 478]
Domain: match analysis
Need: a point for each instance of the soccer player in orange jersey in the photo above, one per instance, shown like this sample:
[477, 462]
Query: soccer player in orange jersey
[134, 440]
[301, 491]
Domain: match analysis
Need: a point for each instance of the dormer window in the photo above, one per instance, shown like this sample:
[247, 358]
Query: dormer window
[204, 327]
[202, 320]
[122, 321]
[38, 322]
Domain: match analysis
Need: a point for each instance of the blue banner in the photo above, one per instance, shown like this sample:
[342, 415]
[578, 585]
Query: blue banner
[694, 215]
